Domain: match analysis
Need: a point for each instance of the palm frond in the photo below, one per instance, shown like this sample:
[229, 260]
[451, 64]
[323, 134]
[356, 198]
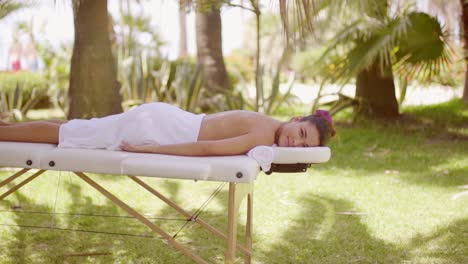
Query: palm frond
[370, 44]
[351, 9]
[379, 47]
[344, 37]
[9, 6]
[424, 70]
[424, 48]
[298, 16]
[371, 8]
[424, 39]
[302, 15]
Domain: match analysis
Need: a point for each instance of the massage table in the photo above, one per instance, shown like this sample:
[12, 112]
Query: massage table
[239, 171]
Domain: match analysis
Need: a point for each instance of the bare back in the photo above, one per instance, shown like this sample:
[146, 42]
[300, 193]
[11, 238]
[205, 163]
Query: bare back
[235, 123]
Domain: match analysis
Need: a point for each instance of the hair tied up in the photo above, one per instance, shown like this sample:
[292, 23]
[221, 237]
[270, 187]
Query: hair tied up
[325, 114]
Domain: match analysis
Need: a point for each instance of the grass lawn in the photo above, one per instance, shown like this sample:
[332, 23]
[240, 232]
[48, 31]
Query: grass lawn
[388, 195]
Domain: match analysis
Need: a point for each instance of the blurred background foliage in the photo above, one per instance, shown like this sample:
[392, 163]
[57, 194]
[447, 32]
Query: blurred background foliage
[347, 39]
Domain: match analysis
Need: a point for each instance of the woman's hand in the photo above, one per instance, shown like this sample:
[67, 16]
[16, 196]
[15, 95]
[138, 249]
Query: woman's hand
[125, 146]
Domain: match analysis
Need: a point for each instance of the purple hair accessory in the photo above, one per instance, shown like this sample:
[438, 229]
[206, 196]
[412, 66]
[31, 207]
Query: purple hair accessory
[325, 114]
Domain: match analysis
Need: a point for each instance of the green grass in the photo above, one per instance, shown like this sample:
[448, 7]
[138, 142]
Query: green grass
[386, 196]
[450, 117]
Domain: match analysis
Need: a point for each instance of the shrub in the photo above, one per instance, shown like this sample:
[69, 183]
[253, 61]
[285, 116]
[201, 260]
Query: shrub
[19, 92]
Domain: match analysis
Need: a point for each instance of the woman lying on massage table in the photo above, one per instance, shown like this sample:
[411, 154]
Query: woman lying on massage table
[166, 129]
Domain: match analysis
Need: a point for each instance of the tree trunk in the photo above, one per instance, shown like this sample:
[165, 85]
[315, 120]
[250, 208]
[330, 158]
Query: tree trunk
[94, 89]
[464, 16]
[182, 29]
[376, 90]
[210, 55]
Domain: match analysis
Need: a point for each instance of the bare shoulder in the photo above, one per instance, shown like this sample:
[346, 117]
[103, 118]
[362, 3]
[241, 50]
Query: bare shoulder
[236, 138]
[263, 133]
[235, 123]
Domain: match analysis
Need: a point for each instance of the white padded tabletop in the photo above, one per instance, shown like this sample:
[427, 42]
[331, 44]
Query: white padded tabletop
[225, 168]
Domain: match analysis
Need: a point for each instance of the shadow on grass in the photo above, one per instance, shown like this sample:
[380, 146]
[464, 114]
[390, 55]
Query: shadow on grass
[317, 235]
[453, 113]
[421, 147]
[198, 239]
[376, 149]
[446, 245]
[320, 234]
[32, 245]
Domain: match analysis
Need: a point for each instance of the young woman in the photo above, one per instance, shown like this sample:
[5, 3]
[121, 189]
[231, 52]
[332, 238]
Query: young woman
[166, 129]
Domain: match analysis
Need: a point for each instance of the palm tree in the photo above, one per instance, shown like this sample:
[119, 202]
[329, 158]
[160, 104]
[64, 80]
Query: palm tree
[464, 18]
[183, 28]
[374, 46]
[94, 89]
[210, 55]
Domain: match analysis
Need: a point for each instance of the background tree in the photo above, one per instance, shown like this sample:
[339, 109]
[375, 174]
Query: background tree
[464, 17]
[374, 45]
[94, 89]
[210, 55]
[183, 28]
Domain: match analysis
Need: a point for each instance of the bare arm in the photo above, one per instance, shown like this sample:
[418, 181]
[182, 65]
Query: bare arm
[225, 147]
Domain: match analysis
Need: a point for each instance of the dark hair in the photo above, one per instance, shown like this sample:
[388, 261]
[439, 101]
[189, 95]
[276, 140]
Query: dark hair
[325, 128]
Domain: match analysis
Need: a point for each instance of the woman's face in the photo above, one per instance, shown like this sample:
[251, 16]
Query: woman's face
[298, 134]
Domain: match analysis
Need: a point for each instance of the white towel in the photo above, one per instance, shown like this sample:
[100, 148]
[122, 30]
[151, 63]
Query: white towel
[264, 155]
[148, 123]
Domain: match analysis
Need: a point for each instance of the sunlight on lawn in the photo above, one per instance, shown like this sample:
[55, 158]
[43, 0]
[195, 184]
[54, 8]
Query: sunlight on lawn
[388, 195]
